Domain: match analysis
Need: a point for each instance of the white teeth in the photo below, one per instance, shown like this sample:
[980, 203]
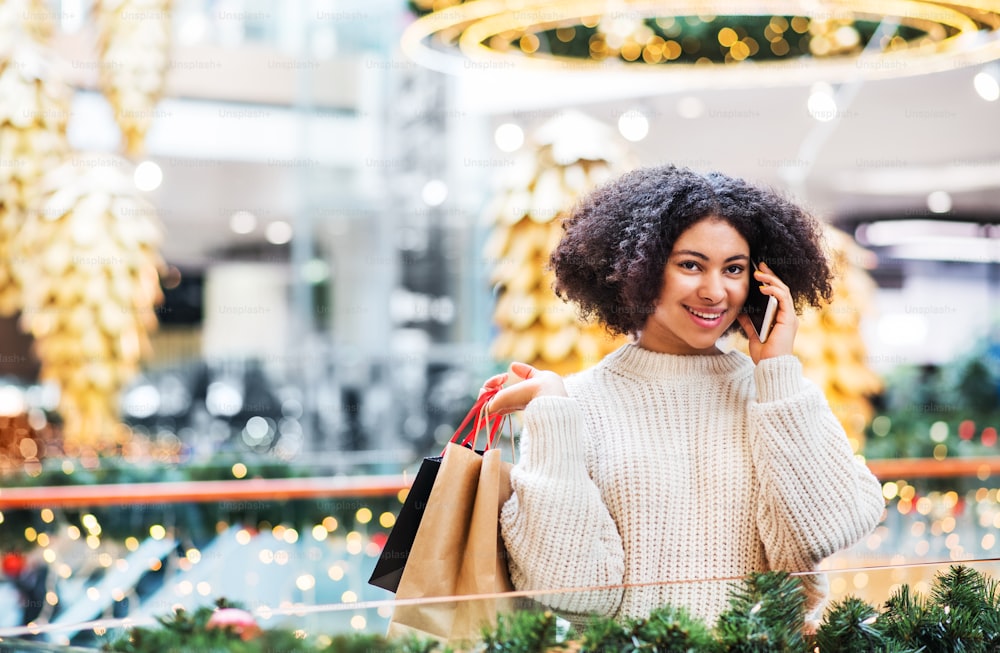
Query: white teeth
[706, 316]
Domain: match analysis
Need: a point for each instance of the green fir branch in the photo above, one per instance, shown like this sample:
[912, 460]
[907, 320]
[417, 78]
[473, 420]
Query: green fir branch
[602, 634]
[960, 594]
[911, 621]
[673, 630]
[991, 614]
[766, 613]
[850, 625]
[522, 632]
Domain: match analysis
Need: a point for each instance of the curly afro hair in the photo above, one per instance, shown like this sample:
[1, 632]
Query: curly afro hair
[611, 258]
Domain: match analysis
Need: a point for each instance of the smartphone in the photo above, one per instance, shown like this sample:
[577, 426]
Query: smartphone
[761, 308]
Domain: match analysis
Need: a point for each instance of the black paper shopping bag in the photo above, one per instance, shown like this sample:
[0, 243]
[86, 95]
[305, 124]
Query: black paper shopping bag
[389, 568]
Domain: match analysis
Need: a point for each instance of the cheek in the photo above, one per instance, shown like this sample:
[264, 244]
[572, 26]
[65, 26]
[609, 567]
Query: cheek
[677, 285]
[738, 293]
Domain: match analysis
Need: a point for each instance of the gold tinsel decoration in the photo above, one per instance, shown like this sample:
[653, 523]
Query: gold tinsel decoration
[573, 154]
[89, 271]
[78, 243]
[829, 340]
[134, 43]
[29, 19]
[34, 109]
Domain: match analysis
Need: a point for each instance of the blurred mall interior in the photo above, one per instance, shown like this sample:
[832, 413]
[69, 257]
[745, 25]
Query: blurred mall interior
[253, 239]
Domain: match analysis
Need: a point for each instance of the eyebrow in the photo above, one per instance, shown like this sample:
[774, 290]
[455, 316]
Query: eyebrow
[691, 252]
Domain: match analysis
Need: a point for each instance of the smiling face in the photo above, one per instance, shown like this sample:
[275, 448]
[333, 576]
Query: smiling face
[705, 284]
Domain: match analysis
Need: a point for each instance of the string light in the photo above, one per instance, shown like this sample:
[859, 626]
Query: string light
[568, 35]
[945, 525]
[633, 125]
[987, 86]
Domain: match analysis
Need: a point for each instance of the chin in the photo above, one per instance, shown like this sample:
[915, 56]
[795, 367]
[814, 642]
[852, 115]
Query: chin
[702, 346]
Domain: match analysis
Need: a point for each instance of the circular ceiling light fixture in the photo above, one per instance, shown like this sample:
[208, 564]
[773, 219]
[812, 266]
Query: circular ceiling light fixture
[509, 137]
[777, 42]
[987, 86]
[633, 125]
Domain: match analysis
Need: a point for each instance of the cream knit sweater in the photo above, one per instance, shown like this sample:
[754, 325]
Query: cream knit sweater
[662, 467]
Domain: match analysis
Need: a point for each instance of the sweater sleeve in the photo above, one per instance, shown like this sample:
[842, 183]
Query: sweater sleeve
[816, 497]
[557, 529]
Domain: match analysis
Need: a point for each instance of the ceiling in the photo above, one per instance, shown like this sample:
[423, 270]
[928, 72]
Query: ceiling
[891, 144]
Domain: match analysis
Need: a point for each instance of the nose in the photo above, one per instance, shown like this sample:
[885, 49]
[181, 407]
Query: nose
[712, 289]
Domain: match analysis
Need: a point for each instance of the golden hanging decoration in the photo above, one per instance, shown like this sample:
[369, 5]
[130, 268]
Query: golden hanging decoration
[78, 244]
[573, 154]
[134, 44]
[829, 341]
[89, 270]
[30, 19]
[34, 109]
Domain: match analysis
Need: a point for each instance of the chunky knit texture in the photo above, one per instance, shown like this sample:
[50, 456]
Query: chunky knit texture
[662, 467]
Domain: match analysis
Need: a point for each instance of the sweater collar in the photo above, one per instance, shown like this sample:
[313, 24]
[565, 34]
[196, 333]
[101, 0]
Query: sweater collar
[633, 360]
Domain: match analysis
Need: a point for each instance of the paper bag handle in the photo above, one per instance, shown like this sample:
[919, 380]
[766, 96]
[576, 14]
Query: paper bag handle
[476, 413]
[485, 418]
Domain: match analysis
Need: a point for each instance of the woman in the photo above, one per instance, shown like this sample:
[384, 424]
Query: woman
[672, 460]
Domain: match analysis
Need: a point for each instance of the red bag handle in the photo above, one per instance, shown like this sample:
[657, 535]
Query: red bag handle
[476, 412]
[497, 420]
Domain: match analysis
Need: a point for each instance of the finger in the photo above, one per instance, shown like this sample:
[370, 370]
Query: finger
[766, 275]
[782, 293]
[510, 399]
[493, 383]
[523, 370]
[779, 292]
[496, 381]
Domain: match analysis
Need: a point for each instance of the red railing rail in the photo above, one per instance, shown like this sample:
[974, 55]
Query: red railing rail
[907, 468]
[256, 489]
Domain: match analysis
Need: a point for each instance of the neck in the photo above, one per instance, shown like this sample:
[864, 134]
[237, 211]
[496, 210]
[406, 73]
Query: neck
[660, 346]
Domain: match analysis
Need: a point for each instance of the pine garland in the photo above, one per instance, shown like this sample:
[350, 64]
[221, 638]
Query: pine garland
[185, 632]
[522, 632]
[850, 626]
[910, 620]
[959, 598]
[766, 613]
[962, 614]
[666, 630]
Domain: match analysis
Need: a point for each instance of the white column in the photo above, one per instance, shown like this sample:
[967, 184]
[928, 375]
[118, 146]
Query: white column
[245, 311]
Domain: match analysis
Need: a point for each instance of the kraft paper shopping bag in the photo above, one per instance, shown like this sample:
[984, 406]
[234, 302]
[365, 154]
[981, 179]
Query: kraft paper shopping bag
[458, 551]
[389, 567]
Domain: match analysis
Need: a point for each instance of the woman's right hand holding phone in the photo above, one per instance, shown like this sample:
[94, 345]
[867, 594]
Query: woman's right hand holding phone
[527, 383]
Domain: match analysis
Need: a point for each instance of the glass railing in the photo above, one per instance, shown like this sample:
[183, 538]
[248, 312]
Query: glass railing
[317, 624]
[298, 552]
